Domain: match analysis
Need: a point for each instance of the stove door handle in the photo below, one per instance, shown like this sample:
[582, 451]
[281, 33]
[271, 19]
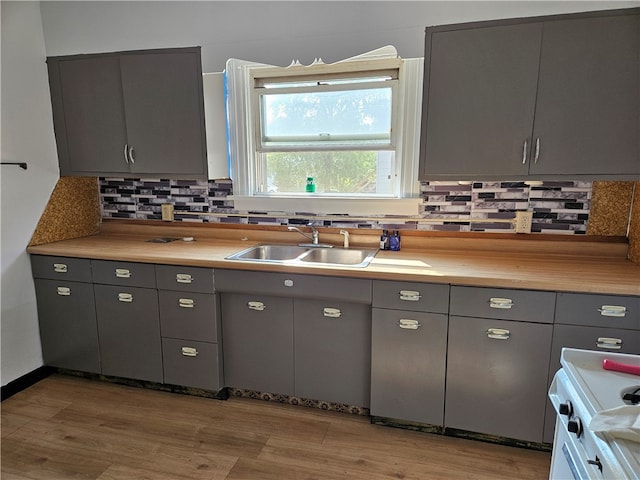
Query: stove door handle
[596, 462]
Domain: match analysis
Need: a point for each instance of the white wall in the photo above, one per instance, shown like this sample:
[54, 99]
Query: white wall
[272, 32]
[27, 136]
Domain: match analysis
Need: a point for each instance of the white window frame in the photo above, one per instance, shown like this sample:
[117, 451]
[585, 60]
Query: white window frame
[243, 139]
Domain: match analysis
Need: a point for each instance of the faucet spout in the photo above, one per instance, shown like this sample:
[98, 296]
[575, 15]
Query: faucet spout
[313, 237]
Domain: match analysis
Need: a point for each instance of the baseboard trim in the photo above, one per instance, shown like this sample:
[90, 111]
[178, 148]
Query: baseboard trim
[25, 381]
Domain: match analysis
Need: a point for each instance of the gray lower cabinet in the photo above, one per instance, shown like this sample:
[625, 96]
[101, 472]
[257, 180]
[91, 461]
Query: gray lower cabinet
[258, 342]
[606, 323]
[332, 351]
[66, 313]
[129, 332]
[128, 319]
[498, 361]
[409, 349]
[302, 335]
[68, 329]
[189, 325]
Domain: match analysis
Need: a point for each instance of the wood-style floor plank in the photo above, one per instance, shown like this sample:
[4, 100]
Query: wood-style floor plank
[72, 428]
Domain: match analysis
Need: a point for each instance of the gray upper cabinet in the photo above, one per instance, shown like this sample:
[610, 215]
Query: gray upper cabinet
[543, 98]
[130, 113]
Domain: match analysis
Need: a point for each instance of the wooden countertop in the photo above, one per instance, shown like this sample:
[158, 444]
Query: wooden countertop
[556, 266]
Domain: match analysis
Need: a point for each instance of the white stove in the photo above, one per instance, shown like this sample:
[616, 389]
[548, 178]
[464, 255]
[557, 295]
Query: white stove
[581, 389]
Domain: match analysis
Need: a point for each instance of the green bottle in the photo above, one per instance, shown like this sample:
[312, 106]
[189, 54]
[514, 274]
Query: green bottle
[311, 185]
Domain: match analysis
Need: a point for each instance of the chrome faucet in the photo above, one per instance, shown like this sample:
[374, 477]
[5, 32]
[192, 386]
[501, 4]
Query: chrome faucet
[314, 234]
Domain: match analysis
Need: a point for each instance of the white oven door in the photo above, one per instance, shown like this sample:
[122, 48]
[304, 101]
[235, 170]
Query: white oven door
[568, 459]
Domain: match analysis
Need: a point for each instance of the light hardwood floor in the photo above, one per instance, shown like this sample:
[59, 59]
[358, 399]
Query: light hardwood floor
[71, 428]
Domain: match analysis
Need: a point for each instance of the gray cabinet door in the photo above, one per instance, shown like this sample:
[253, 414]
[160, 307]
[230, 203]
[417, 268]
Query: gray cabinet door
[164, 110]
[129, 332]
[332, 351]
[587, 115]
[88, 113]
[497, 386]
[602, 339]
[186, 315]
[68, 329]
[408, 359]
[258, 342]
[479, 100]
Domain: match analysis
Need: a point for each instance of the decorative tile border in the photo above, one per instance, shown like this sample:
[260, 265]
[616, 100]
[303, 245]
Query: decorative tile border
[558, 207]
[291, 400]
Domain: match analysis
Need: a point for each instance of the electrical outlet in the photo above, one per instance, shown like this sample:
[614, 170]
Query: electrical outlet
[522, 223]
[167, 212]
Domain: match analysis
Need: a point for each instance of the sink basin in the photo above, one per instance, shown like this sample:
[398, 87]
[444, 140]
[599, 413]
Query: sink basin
[352, 257]
[269, 253]
[297, 255]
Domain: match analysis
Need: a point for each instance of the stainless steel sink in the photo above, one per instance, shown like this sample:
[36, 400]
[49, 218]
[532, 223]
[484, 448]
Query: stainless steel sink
[352, 257]
[269, 253]
[297, 255]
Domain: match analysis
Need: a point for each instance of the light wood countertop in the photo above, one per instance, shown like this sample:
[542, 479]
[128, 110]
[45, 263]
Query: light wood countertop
[540, 265]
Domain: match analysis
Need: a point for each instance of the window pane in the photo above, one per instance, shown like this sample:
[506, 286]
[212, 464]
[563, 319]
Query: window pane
[343, 116]
[335, 172]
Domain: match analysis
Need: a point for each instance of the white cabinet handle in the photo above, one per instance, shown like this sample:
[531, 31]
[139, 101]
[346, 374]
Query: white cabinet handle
[64, 291]
[410, 295]
[609, 343]
[258, 306]
[537, 155]
[497, 302]
[524, 151]
[408, 324]
[498, 333]
[186, 302]
[189, 351]
[60, 268]
[123, 273]
[184, 278]
[613, 310]
[125, 297]
[126, 158]
[288, 283]
[131, 156]
[331, 312]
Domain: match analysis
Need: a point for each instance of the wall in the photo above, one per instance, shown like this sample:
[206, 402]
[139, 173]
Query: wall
[27, 136]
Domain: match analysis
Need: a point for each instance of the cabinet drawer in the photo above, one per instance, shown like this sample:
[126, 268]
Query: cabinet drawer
[523, 305]
[124, 273]
[354, 290]
[611, 311]
[184, 279]
[55, 268]
[191, 364]
[418, 297]
[188, 315]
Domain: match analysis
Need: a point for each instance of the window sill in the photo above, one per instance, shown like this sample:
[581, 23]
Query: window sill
[328, 206]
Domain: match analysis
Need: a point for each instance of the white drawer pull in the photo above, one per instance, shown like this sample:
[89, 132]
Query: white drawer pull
[125, 297]
[410, 295]
[612, 311]
[65, 291]
[288, 283]
[497, 302]
[184, 278]
[258, 306]
[123, 273]
[186, 303]
[609, 343]
[331, 312]
[189, 351]
[408, 324]
[498, 333]
[60, 268]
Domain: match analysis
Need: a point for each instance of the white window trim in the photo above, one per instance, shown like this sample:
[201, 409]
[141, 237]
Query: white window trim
[242, 145]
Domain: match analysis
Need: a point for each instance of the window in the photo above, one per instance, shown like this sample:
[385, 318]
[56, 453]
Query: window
[352, 126]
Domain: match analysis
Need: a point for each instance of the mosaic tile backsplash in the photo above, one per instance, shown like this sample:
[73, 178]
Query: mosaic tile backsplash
[558, 207]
